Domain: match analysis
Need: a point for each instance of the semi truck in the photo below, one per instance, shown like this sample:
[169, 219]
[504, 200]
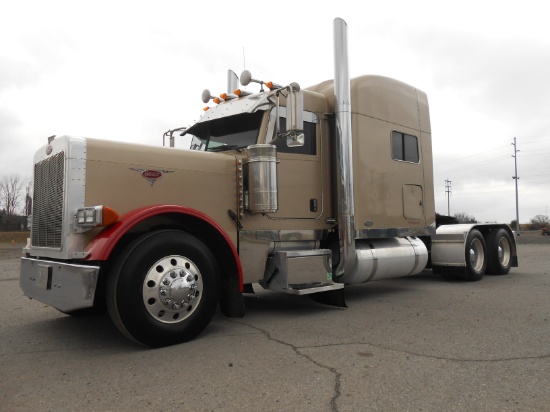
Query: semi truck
[299, 191]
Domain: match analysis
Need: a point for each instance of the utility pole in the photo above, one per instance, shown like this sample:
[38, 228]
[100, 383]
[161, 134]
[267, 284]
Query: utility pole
[448, 190]
[516, 178]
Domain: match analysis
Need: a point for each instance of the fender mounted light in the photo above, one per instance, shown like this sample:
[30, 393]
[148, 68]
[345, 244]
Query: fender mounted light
[95, 216]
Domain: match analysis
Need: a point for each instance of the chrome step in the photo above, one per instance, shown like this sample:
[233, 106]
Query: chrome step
[300, 272]
[314, 287]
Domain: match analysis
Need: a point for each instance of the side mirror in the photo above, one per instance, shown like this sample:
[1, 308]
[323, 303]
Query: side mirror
[294, 116]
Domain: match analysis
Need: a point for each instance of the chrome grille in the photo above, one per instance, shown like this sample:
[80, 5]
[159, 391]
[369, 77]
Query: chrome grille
[47, 213]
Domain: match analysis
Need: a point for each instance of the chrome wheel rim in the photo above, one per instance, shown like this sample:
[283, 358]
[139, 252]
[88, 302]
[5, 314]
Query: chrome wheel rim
[172, 289]
[504, 251]
[477, 255]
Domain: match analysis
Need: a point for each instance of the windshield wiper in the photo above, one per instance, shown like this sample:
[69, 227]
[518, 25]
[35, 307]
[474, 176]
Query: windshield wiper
[222, 148]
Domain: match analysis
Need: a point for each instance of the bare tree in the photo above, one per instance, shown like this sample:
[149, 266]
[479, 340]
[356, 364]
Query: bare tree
[28, 197]
[540, 221]
[10, 193]
[465, 218]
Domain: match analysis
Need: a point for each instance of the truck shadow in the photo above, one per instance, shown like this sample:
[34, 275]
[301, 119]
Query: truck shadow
[91, 332]
[269, 302]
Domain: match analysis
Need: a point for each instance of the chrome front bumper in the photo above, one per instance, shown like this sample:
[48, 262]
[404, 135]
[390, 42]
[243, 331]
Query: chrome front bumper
[64, 286]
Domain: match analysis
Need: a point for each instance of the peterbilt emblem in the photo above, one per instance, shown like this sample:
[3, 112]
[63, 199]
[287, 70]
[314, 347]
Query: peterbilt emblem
[49, 149]
[151, 175]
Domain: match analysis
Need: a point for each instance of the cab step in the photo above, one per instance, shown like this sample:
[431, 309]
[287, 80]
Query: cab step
[300, 272]
[314, 287]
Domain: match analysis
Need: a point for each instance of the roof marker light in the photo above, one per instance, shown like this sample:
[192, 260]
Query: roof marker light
[241, 93]
[228, 96]
[273, 86]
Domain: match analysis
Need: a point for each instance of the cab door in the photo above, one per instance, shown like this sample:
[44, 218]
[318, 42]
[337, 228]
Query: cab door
[300, 172]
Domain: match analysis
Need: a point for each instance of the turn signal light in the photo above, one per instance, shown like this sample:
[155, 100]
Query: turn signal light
[109, 217]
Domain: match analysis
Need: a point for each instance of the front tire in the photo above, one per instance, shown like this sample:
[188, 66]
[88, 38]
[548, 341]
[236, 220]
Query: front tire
[164, 288]
[476, 256]
[499, 252]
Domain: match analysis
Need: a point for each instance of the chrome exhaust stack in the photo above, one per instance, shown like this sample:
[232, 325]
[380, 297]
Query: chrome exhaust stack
[362, 260]
[346, 203]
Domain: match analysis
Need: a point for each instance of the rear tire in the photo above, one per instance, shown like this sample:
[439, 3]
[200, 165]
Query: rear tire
[164, 288]
[499, 252]
[476, 256]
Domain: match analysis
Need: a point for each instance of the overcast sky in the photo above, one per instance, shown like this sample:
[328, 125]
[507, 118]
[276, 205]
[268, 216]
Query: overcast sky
[130, 70]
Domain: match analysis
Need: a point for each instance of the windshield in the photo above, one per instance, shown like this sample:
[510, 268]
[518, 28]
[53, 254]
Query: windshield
[233, 132]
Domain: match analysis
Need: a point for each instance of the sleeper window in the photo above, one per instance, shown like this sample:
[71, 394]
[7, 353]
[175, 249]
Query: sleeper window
[404, 147]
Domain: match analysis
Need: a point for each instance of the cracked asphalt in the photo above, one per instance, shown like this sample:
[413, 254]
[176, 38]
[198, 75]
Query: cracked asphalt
[410, 344]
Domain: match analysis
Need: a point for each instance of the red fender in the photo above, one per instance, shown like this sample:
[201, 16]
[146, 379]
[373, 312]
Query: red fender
[103, 244]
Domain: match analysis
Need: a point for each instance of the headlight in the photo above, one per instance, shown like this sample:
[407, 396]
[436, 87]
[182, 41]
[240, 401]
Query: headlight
[95, 216]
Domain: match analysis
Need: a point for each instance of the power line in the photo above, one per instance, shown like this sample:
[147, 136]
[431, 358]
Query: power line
[472, 155]
[516, 178]
[467, 167]
[448, 190]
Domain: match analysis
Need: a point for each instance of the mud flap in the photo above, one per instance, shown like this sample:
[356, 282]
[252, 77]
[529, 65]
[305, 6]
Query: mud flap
[330, 297]
[232, 301]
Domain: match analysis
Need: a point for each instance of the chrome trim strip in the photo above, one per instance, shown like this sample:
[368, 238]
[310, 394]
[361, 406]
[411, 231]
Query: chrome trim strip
[283, 235]
[394, 232]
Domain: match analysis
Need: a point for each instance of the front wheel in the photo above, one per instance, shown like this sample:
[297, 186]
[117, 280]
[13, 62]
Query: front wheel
[475, 255]
[164, 288]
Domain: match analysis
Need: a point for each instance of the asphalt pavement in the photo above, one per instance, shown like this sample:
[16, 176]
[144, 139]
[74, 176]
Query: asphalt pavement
[412, 344]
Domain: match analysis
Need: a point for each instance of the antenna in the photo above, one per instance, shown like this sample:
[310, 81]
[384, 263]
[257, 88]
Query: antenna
[244, 60]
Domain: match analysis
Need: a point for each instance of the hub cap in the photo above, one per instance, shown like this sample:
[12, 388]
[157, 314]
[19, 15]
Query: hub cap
[504, 251]
[477, 255]
[172, 289]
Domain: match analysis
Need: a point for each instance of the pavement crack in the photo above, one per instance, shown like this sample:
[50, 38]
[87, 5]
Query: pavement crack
[423, 355]
[296, 349]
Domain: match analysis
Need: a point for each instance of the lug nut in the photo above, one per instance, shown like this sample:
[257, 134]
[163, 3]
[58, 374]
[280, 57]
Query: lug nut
[167, 301]
[189, 278]
[163, 292]
[165, 281]
[172, 274]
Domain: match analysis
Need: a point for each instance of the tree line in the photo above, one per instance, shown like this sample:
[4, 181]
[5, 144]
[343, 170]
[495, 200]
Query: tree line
[536, 223]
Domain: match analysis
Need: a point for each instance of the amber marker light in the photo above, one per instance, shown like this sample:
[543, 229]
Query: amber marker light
[272, 85]
[241, 93]
[206, 108]
[109, 216]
